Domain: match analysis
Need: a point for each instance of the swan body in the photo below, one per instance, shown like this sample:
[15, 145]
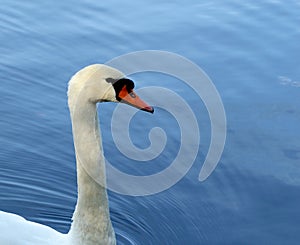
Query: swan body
[15, 230]
[91, 220]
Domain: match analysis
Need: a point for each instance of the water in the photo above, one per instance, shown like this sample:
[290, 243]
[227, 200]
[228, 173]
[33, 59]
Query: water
[249, 49]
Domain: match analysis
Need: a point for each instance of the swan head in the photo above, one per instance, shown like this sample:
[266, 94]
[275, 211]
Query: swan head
[101, 83]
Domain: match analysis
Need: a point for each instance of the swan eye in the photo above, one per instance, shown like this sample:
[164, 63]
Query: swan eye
[110, 80]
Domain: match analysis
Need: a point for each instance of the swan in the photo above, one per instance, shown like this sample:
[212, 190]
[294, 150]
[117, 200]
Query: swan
[91, 224]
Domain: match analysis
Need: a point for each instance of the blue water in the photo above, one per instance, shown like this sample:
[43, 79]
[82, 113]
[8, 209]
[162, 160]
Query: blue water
[250, 50]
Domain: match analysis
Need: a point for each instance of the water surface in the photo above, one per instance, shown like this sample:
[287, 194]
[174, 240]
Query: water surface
[249, 49]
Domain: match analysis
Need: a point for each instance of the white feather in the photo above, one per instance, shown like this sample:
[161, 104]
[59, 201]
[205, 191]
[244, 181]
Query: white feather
[91, 221]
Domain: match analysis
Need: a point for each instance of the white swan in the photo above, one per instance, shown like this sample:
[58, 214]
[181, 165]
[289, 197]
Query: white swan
[91, 221]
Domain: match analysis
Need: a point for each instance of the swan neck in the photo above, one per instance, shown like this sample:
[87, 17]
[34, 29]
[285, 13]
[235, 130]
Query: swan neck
[91, 220]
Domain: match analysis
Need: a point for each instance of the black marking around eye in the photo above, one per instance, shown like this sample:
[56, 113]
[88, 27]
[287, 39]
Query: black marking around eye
[119, 84]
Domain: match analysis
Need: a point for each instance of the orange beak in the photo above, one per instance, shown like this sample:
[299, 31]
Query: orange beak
[131, 98]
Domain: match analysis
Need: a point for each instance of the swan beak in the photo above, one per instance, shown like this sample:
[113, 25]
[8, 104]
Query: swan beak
[131, 98]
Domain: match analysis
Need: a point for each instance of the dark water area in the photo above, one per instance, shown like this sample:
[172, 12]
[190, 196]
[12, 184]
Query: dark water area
[250, 50]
